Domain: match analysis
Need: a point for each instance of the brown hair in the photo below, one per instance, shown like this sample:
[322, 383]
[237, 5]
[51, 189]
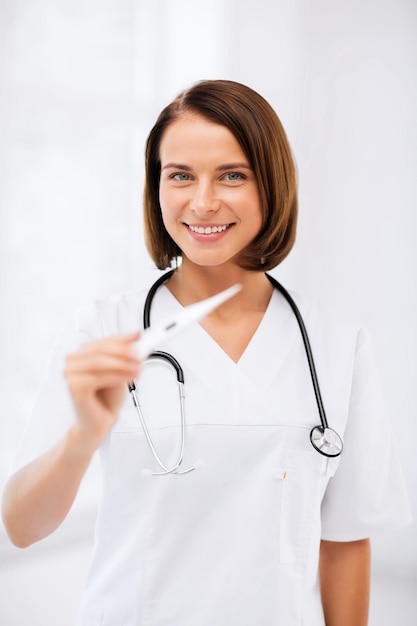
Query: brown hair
[260, 134]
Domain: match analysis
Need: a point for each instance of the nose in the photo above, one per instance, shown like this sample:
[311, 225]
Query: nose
[204, 199]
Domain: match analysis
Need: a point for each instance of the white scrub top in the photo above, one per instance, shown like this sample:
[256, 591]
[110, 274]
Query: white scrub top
[235, 542]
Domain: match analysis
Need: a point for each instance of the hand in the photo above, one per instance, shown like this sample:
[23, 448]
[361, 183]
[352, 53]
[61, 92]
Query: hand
[97, 376]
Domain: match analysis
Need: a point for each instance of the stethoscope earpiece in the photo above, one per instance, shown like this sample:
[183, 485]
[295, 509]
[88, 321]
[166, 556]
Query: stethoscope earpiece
[326, 441]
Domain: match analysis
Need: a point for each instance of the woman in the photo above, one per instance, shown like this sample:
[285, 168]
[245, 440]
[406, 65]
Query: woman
[255, 522]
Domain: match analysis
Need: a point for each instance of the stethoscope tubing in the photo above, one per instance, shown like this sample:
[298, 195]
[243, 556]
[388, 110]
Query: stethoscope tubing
[307, 346]
[324, 440]
[172, 361]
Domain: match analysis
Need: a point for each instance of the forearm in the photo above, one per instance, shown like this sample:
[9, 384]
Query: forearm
[345, 582]
[38, 497]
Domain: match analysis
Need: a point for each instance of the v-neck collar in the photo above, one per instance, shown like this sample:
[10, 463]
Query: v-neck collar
[262, 359]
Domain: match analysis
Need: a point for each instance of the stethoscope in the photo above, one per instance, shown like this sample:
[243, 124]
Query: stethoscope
[323, 439]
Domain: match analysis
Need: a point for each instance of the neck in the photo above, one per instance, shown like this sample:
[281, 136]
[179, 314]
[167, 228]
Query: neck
[191, 283]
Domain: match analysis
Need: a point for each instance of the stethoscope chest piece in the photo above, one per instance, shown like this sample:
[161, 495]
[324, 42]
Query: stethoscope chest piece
[326, 441]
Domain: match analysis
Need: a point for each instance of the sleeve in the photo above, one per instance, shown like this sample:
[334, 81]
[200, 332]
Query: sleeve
[53, 412]
[367, 492]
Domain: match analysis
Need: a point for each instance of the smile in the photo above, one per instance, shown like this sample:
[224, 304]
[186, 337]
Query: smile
[208, 230]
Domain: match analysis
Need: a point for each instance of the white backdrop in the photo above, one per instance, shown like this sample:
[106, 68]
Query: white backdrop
[81, 83]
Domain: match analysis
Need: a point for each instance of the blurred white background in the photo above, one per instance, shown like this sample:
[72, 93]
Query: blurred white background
[81, 83]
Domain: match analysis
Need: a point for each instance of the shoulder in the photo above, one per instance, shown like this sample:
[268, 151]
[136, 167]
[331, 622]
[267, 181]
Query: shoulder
[341, 346]
[329, 325]
[118, 313]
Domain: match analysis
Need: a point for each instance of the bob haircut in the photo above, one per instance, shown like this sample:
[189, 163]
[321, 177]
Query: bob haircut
[260, 134]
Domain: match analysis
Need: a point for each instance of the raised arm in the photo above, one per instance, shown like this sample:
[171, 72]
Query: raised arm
[38, 497]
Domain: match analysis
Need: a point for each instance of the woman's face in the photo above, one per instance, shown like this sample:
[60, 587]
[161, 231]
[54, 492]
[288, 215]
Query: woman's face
[208, 193]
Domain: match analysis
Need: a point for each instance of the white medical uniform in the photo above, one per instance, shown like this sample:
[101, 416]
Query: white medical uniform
[236, 541]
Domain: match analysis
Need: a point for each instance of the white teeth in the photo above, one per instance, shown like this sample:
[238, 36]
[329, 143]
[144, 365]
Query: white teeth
[208, 230]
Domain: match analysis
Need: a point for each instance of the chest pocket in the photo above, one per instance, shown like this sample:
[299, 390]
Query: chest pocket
[302, 486]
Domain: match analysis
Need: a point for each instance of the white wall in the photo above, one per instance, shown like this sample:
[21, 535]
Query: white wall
[81, 84]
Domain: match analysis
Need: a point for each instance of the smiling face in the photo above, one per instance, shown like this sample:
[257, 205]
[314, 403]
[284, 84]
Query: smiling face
[208, 194]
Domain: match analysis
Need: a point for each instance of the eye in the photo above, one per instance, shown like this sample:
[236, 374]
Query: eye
[234, 176]
[181, 176]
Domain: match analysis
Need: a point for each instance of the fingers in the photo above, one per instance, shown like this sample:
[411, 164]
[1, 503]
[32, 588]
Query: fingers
[97, 375]
[116, 343]
[103, 363]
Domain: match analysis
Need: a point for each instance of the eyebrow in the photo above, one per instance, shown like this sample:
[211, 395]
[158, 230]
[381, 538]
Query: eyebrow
[221, 168]
[177, 166]
[233, 166]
